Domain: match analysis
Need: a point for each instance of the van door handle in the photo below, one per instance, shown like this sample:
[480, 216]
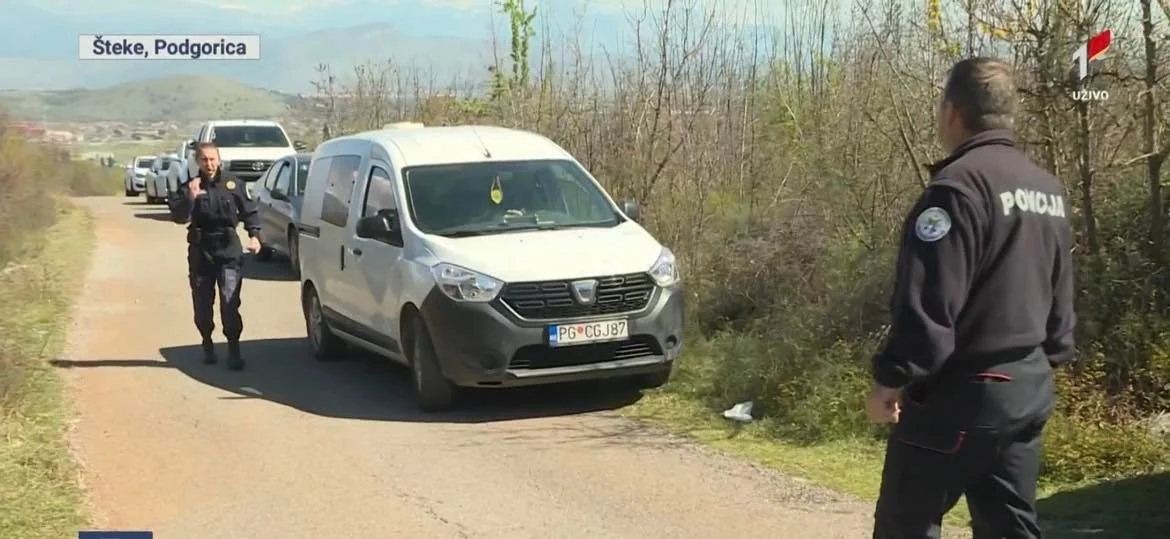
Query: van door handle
[356, 251]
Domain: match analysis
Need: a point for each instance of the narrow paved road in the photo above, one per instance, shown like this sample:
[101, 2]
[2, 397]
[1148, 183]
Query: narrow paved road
[294, 448]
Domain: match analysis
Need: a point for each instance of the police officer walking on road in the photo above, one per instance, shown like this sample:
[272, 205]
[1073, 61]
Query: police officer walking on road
[214, 204]
[982, 312]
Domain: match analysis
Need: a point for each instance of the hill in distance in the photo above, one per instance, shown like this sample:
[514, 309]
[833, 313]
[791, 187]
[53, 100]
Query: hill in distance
[176, 99]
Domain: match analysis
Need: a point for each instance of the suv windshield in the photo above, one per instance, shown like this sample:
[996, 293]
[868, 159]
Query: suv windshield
[144, 163]
[248, 136]
[471, 199]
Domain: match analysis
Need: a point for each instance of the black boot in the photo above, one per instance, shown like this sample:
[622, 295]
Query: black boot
[209, 352]
[235, 361]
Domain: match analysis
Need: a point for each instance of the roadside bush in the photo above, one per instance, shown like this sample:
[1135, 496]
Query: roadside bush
[1094, 438]
[34, 179]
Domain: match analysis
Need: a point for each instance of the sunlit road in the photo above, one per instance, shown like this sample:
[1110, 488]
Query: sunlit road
[296, 448]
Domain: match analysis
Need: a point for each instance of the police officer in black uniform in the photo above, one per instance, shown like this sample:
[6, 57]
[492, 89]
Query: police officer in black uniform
[982, 312]
[214, 204]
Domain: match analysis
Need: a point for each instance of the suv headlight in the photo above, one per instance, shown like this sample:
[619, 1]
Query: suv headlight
[462, 284]
[665, 269]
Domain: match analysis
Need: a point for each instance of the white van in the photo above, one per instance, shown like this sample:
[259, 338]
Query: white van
[481, 257]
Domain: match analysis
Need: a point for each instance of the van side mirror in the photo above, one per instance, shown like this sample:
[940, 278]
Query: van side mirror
[191, 145]
[630, 208]
[382, 226]
[299, 145]
[277, 195]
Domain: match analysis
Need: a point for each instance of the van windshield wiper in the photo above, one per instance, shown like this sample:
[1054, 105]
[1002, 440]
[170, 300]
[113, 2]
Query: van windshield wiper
[565, 226]
[466, 233]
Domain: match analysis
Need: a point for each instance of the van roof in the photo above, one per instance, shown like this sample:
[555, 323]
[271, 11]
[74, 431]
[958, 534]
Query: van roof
[459, 144]
[225, 123]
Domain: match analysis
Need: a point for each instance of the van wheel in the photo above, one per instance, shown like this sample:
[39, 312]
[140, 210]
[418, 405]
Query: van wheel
[433, 392]
[294, 253]
[653, 380]
[131, 193]
[326, 346]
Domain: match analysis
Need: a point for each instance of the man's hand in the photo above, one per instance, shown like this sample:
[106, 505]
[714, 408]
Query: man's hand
[194, 187]
[882, 405]
[253, 245]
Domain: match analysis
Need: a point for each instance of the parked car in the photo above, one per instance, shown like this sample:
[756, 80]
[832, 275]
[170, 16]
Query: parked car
[177, 175]
[278, 197]
[156, 178]
[481, 257]
[135, 177]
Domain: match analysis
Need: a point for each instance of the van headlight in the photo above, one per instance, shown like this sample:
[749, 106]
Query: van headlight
[665, 269]
[462, 284]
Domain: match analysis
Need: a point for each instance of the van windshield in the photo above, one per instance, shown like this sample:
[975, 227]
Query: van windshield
[248, 136]
[473, 199]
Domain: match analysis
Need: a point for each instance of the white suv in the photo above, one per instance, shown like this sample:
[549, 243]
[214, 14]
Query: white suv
[246, 147]
[481, 257]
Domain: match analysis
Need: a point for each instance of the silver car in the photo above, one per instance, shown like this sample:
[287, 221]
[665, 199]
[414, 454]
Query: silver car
[278, 195]
[135, 176]
[157, 189]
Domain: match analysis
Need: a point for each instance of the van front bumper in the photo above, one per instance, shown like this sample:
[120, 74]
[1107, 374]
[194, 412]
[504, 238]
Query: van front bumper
[488, 345]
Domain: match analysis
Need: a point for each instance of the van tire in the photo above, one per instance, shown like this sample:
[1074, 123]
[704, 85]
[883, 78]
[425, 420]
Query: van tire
[653, 380]
[325, 345]
[433, 392]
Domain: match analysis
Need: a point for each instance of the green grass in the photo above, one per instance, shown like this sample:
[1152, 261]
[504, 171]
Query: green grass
[1125, 509]
[171, 99]
[39, 494]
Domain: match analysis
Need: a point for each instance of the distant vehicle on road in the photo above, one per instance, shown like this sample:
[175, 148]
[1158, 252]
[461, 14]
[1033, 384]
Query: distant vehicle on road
[156, 178]
[279, 194]
[136, 171]
[481, 257]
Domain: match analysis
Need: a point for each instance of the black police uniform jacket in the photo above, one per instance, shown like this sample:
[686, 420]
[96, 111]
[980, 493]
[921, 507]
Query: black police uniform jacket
[985, 267]
[213, 216]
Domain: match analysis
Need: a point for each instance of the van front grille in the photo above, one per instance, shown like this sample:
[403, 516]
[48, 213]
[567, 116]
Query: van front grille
[549, 300]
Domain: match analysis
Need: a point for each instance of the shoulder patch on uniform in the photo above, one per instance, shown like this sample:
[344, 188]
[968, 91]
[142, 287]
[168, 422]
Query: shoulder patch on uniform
[932, 224]
[230, 185]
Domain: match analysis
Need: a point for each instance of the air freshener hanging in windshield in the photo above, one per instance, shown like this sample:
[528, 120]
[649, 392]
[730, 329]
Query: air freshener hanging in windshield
[497, 192]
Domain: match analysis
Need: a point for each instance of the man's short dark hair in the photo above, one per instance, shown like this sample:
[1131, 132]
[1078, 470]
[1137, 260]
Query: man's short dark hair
[984, 92]
[204, 146]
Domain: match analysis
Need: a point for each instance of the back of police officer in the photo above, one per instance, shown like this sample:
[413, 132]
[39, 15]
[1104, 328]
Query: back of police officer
[213, 204]
[982, 311]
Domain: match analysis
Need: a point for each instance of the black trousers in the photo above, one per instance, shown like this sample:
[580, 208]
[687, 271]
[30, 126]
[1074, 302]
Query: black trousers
[978, 435]
[206, 273]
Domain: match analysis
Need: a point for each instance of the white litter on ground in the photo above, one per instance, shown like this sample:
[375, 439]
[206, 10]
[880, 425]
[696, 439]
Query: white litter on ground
[741, 412]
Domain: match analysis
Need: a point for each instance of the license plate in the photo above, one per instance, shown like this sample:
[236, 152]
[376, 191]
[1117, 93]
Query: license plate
[587, 332]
